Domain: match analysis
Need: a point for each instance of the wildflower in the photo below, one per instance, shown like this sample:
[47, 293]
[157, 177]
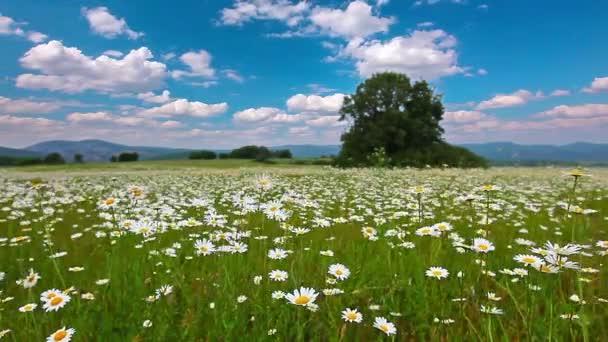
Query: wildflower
[528, 260]
[56, 302]
[491, 310]
[278, 295]
[492, 296]
[204, 247]
[30, 281]
[339, 271]
[108, 203]
[570, 317]
[353, 315]
[28, 307]
[164, 290]
[277, 254]
[278, 275]
[61, 335]
[102, 281]
[241, 299]
[481, 245]
[147, 323]
[437, 272]
[303, 297]
[385, 326]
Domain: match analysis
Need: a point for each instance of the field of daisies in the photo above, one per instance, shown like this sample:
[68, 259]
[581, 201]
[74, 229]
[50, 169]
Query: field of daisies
[313, 254]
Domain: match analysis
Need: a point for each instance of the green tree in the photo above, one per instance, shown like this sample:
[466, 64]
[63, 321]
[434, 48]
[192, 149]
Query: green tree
[78, 158]
[54, 158]
[128, 157]
[391, 116]
[202, 155]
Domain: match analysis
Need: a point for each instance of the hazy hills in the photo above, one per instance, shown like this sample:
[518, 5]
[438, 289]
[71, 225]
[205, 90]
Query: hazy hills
[502, 152]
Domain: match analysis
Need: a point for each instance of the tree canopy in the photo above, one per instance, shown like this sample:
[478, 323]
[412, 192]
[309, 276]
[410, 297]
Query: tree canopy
[396, 123]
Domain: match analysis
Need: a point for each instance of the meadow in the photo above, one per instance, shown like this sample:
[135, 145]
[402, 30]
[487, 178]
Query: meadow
[209, 251]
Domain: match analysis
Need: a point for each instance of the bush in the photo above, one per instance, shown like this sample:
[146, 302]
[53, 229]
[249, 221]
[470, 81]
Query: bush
[128, 157]
[282, 154]
[78, 158]
[224, 156]
[208, 155]
[54, 158]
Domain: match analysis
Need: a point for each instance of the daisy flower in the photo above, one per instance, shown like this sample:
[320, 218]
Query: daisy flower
[28, 307]
[204, 247]
[491, 310]
[528, 260]
[58, 301]
[437, 272]
[385, 326]
[339, 271]
[481, 245]
[353, 315]
[277, 254]
[278, 275]
[61, 335]
[304, 296]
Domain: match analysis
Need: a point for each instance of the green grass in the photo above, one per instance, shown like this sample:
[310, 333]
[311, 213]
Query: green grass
[203, 304]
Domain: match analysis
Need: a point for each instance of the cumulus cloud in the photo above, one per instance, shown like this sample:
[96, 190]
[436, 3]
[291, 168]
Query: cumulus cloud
[151, 97]
[357, 20]
[103, 23]
[577, 111]
[8, 27]
[67, 69]
[250, 115]
[517, 98]
[463, 116]
[326, 121]
[243, 11]
[91, 117]
[199, 63]
[23, 106]
[316, 103]
[599, 84]
[422, 54]
[183, 107]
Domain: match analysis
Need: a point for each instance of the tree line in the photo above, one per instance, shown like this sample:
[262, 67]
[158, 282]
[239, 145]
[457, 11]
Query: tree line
[258, 153]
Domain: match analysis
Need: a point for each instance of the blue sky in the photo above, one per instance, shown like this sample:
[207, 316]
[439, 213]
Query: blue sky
[221, 74]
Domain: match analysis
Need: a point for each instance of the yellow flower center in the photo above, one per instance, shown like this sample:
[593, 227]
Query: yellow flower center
[110, 201]
[302, 300]
[528, 260]
[437, 273]
[384, 327]
[56, 300]
[50, 295]
[351, 316]
[483, 247]
[60, 335]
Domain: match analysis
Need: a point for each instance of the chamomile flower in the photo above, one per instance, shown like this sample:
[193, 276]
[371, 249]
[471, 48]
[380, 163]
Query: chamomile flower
[385, 326]
[339, 271]
[278, 275]
[304, 296]
[204, 247]
[56, 302]
[30, 280]
[437, 272]
[351, 316]
[61, 335]
[28, 307]
[491, 310]
[482, 245]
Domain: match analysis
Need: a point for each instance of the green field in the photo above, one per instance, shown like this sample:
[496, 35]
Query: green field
[185, 251]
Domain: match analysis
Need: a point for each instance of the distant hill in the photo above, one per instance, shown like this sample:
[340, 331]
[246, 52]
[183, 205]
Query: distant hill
[97, 150]
[17, 153]
[497, 152]
[584, 153]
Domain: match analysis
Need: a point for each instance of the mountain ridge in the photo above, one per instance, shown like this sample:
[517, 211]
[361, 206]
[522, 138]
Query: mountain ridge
[95, 150]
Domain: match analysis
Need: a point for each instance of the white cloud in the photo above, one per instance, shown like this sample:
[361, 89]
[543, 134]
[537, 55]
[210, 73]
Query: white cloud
[103, 23]
[67, 69]
[357, 20]
[423, 54]
[463, 116]
[326, 121]
[199, 63]
[316, 103]
[8, 27]
[171, 124]
[90, 117]
[151, 97]
[560, 92]
[517, 98]
[250, 115]
[599, 84]
[482, 72]
[577, 111]
[245, 10]
[113, 53]
[186, 108]
[22, 106]
[233, 75]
